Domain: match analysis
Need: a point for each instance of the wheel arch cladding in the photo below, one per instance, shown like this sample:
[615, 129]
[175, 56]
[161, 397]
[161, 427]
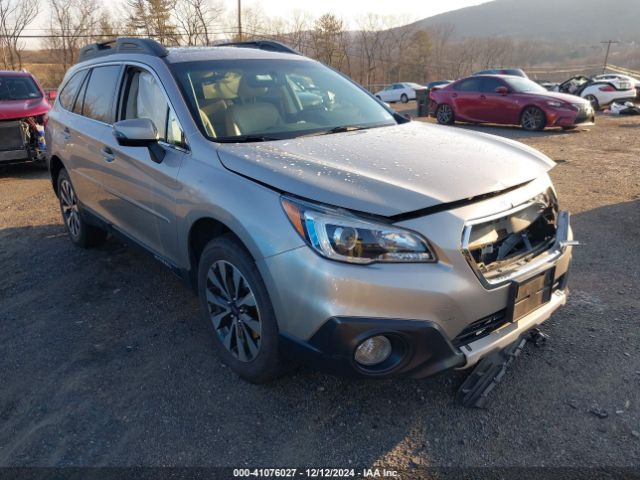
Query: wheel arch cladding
[202, 231]
[55, 166]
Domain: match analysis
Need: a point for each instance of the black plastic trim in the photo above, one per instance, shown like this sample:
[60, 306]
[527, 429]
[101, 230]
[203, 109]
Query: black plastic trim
[266, 45]
[452, 205]
[123, 45]
[421, 349]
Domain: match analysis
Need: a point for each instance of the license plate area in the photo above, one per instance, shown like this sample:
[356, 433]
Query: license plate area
[530, 294]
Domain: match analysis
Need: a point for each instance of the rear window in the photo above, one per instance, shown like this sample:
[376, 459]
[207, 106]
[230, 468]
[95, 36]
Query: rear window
[98, 99]
[18, 88]
[69, 91]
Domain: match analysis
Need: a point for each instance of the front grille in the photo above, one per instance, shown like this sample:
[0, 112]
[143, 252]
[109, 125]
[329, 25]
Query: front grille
[500, 245]
[11, 136]
[480, 328]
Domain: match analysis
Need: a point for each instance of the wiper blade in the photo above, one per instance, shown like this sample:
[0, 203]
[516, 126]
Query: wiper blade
[338, 129]
[247, 139]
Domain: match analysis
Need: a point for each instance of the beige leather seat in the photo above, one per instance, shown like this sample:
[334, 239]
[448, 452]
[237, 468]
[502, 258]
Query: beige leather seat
[251, 115]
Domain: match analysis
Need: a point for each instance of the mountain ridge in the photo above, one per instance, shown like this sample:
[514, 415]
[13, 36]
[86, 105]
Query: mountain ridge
[583, 20]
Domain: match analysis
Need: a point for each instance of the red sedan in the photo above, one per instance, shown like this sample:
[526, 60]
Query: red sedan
[509, 100]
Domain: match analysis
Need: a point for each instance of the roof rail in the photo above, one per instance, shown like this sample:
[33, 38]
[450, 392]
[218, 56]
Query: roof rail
[268, 45]
[122, 45]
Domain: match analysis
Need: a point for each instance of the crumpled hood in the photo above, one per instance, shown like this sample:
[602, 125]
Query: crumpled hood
[388, 170]
[15, 109]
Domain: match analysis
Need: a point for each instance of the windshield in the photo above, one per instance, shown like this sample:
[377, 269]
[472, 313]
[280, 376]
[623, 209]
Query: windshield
[524, 85]
[18, 88]
[258, 100]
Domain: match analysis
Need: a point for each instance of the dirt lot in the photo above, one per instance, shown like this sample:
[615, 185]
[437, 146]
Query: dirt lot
[104, 362]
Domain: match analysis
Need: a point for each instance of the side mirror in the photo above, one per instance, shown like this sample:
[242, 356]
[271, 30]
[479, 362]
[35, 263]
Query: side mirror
[502, 90]
[139, 132]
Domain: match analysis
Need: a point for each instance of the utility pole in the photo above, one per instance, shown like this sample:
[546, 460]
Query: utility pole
[239, 21]
[606, 56]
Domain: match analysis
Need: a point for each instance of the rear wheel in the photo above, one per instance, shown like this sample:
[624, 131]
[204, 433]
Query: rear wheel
[236, 307]
[594, 102]
[445, 115]
[533, 119]
[80, 232]
[404, 98]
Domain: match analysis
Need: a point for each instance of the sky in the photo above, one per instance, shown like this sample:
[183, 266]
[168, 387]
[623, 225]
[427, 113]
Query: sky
[349, 9]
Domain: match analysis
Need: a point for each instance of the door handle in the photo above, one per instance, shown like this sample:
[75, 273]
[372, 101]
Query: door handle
[66, 133]
[107, 155]
[482, 97]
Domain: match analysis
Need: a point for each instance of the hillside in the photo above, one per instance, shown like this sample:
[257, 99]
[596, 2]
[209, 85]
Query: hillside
[581, 20]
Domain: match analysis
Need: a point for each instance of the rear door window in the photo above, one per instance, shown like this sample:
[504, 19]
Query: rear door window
[469, 85]
[70, 90]
[98, 99]
[490, 84]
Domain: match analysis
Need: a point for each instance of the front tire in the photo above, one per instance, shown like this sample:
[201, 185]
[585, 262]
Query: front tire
[533, 119]
[80, 232]
[445, 115]
[236, 307]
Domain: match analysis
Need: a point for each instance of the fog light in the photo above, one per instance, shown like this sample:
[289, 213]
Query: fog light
[373, 351]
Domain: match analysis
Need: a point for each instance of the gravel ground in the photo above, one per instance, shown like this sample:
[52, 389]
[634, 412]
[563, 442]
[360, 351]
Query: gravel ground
[104, 361]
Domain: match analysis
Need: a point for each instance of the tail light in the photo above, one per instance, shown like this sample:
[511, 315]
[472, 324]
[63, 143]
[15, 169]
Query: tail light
[607, 88]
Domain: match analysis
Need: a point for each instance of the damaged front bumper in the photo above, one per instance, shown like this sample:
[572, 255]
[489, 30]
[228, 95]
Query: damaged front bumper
[22, 140]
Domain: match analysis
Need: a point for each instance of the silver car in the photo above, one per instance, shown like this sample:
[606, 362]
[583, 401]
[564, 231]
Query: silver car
[315, 224]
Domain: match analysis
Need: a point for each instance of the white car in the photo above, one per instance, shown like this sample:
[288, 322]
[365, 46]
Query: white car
[398, 92]
[598, 92]
[622, 82]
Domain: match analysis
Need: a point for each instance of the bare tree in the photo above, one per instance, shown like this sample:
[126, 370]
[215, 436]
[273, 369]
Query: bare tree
[15, 16]
[298, 31]
[371, 38]
[328, 38]
[196, 19]
[75, 23]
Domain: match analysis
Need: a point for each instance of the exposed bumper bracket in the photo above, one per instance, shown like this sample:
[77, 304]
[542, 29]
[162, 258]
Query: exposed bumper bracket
[475, 390]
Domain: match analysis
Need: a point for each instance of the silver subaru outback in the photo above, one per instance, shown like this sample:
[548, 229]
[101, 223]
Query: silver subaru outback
[315, 224]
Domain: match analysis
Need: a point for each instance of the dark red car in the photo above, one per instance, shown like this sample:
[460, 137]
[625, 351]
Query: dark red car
[509, 100]
[23, 109]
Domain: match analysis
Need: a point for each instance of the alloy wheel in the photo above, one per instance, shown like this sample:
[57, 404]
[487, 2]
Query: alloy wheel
[532, 119]
[233, 310]
[70, 211]
[444, 114]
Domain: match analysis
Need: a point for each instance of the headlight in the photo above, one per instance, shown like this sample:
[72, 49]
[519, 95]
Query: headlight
[340, 235]
[555, 103]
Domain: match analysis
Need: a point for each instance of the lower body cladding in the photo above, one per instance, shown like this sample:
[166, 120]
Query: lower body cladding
[416, 320]
[22, 141]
